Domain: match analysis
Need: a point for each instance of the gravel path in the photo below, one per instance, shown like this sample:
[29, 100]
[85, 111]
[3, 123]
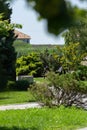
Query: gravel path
[20, 106]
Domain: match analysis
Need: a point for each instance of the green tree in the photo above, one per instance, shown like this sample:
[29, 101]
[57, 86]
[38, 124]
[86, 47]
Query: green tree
[50, 61]
[77, 34]
[7, 51]
[59, 14]
[5, 9]
[69, 56]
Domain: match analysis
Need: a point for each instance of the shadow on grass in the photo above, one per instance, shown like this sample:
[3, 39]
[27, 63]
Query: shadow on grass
[4, 98]
[16, 128]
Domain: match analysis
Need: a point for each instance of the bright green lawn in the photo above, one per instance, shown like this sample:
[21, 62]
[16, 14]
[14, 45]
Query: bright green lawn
[43, 119]
[40, 80]
[12, 97]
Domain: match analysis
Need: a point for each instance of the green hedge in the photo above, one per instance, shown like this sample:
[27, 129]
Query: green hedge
[21, 85]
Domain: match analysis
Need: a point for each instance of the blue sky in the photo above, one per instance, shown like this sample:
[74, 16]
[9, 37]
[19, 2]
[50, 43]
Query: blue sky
[24, 15]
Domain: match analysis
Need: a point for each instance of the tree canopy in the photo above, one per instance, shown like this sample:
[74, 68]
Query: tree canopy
[59, 14]
[7, 51]
[76, 34]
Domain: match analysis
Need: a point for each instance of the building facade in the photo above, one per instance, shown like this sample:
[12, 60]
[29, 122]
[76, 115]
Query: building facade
[22, 37]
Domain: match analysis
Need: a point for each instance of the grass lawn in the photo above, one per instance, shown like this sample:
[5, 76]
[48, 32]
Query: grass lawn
[40, 80]
[12, 97]
[43, 119]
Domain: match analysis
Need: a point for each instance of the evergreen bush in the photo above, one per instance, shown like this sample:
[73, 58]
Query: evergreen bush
[29, 65]
[7, 51]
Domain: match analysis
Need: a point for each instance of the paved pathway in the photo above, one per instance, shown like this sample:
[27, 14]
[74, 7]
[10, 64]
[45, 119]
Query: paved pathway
[20, 106]
[83, 128]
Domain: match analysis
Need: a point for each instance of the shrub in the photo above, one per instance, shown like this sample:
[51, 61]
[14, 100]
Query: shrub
[22, 85]
[61, 90]
[11, 85]
[29, 65]
[42, 93]
[33, 72]
[50, 61]
[22, 70]
[81, 73]
[68, 91]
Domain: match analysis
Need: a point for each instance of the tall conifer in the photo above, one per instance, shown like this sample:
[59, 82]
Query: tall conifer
[7, 51]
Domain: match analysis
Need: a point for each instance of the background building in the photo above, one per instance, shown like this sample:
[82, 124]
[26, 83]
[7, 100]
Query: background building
[21, 36]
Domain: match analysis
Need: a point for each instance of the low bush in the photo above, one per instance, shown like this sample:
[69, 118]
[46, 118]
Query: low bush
[61, 90]
[23, 70]
[11, 85]
[42, 93]
[81, 73]
[22, 85]
[29, 65]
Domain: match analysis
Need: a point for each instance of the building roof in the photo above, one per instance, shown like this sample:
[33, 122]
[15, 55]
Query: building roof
[21, 35]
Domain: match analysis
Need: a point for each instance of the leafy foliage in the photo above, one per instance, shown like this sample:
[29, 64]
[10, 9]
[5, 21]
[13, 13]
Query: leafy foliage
[77, 34]
[81, 72]
[69, 56]
[10, 85]
[59, 14]
[7, 51]
[21, 85]
[29, 65]
[24, 49]
[62, 90]
[41, 92]
[49, 60]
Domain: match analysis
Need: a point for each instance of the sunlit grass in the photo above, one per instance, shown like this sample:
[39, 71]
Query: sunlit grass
[43, 119]
[40, 80]
[12, 97]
